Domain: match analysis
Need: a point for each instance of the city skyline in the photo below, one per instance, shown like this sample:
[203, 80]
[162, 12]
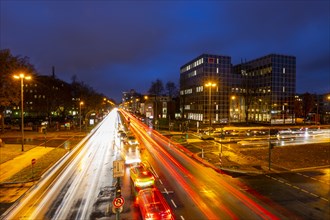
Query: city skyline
[118, 46]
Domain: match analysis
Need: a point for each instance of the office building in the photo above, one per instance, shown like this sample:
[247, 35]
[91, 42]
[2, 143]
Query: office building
[260, 90]
[201, 103]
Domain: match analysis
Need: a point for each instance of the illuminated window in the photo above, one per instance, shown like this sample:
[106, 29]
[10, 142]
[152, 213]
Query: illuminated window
[199, 89]
[188, 91]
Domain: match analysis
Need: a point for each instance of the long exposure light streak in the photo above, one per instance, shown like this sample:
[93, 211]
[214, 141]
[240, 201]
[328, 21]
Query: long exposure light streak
[158, 151]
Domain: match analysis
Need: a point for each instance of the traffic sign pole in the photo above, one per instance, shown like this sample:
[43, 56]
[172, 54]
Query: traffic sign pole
[33, 161]
[118, 202]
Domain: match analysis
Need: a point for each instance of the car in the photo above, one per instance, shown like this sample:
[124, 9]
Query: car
[131, 140]
[123, 136]
[206, 137]
[141, 176]
[153, 205]
[120, 132]
[286, 135]
[130, 153]
[207, 130]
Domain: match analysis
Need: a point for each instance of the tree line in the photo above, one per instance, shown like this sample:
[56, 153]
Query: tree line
[57, 95]
[60, 97]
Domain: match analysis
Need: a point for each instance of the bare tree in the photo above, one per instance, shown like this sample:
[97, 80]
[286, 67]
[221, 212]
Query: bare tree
[157, 88]
[308, 104]
[9, 88]
[171, 88]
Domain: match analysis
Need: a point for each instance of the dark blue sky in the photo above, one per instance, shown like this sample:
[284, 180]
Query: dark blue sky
[115, 46]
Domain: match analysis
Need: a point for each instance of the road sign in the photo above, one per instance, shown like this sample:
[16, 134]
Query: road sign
[33, 161]
[118, 202]
[118, 168]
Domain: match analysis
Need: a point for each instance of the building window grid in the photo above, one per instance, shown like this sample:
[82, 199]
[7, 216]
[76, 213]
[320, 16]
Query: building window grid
[271, 90]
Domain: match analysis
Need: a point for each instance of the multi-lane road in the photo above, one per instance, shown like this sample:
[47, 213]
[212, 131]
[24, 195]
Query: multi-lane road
[81, 185]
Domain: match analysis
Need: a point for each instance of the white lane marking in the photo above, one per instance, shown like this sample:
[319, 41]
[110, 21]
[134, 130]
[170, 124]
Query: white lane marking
[324, 199]
[305, 191]
[166, 190]
[181, 217]
[313, 178]
[173, 203]
[288, 184]
[313, 194]
[160, 181]
[154, 171]
[296, 187]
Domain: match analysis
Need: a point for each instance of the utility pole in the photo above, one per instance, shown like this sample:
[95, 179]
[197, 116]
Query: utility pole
[270, 147]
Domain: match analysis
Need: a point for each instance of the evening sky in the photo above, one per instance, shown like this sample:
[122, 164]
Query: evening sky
[115, 46]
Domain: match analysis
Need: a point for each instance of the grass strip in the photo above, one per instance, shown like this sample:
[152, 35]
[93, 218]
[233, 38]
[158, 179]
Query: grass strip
[41, 166]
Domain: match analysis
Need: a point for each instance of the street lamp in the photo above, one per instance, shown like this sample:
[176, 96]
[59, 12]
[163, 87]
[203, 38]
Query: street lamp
[210, 85]
[232, 112]
[80, 104]
[22, 76]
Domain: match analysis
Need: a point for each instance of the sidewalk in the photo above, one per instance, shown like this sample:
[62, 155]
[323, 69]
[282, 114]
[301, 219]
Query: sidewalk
[11, 167]
[10, 192]
[15, 165]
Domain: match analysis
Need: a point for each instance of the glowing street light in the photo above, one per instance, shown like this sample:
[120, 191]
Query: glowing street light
[22, 76]
[80, 104]
[232, 109]
[210, 85]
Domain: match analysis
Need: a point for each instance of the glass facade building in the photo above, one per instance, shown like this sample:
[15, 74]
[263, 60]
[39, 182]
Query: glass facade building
[202, 103]
[260, 90]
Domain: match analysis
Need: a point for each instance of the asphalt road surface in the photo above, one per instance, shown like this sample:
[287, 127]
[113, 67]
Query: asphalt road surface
[81, 186]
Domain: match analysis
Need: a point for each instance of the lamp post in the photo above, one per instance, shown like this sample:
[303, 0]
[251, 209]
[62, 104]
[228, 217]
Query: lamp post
[210, 85]
[22, 76]
[232, 115]
[317, 110]
[80, 104]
